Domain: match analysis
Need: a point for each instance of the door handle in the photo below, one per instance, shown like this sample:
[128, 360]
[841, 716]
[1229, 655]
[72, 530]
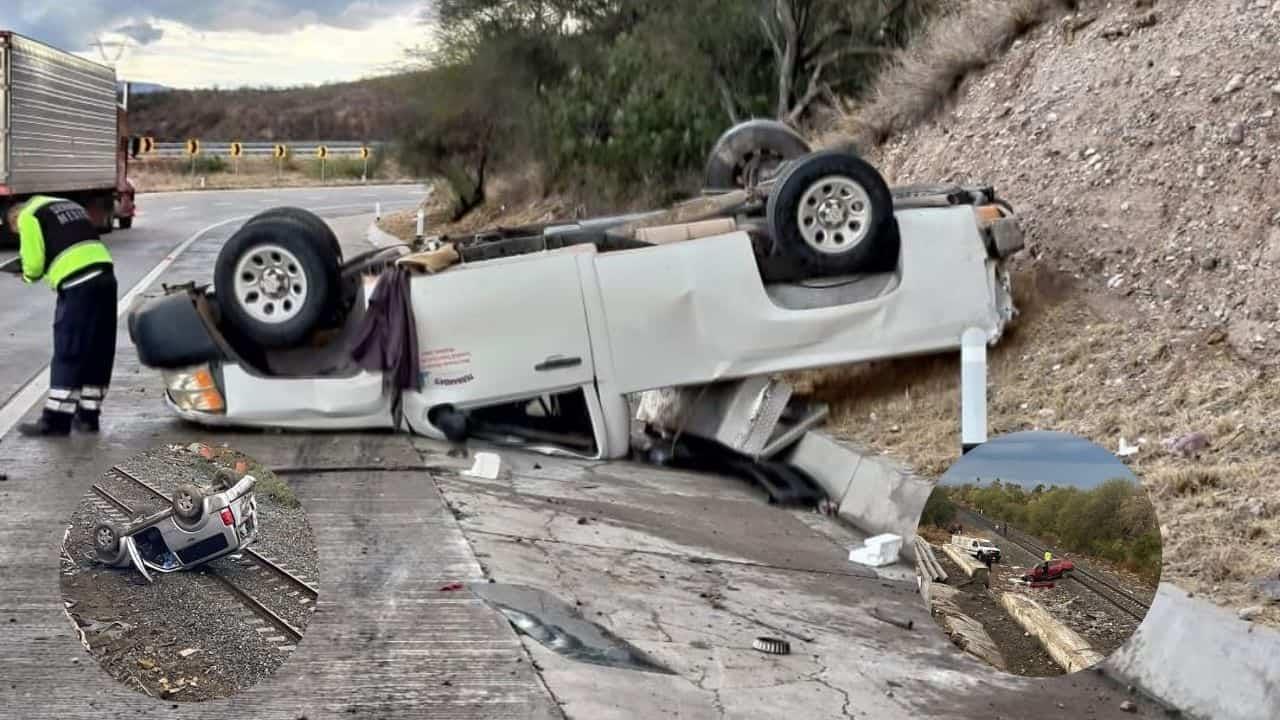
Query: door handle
[557, 362]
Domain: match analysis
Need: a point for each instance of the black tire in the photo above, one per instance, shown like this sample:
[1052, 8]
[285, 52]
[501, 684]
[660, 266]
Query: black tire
[851, 243]
[106, 541]
[767, 143]
[223, 479]
[320, 229]
[303, 305]
[188, 502]
[312, 222]
[124, 222]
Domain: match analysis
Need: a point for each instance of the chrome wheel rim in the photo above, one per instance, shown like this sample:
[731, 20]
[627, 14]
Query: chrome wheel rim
[105, 538]
[834, 215]
[270, 284]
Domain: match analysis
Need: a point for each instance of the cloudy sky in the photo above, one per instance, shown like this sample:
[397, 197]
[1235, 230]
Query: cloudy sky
[228, 43]
[1031, 458]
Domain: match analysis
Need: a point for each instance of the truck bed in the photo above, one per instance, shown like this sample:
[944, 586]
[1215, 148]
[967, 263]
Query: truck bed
[57, 119]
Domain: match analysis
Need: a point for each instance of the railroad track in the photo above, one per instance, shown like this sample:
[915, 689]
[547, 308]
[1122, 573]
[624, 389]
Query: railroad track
[285, 583]
[1103, 588]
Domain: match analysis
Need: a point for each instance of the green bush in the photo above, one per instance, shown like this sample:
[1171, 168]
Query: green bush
[939, 511]
[1114, 521]
[341, 168]
[210, 164]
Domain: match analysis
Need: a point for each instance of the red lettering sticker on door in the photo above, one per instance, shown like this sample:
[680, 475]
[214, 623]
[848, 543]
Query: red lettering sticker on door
[445, 359]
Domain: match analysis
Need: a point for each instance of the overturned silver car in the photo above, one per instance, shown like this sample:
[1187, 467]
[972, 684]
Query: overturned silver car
[201, 524]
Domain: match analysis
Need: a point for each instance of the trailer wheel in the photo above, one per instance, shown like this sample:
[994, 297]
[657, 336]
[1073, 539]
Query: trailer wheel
[276, 281]
[831, 211]
[188, 502]
[106, 540]
[749, 149]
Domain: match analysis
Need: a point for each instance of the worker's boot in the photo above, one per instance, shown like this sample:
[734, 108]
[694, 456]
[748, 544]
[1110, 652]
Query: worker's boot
[86, 421]
[50, 424]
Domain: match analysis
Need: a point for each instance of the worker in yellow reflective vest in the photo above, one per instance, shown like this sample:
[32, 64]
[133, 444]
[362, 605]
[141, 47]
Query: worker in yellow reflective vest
[58, 243]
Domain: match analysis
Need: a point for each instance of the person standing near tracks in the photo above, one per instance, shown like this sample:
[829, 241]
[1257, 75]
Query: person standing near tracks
[58, 243]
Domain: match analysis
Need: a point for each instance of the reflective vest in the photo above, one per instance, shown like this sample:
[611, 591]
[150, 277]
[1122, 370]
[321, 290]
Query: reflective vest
[57, 240]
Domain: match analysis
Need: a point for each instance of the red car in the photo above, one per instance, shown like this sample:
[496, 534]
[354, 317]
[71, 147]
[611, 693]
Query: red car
[1049, 571]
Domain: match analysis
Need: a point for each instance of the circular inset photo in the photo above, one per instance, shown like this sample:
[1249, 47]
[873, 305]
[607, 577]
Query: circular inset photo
[189, 572]
[1039, 552]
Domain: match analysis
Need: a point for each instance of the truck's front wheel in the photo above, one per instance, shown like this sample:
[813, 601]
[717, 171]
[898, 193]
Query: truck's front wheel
[275, 281]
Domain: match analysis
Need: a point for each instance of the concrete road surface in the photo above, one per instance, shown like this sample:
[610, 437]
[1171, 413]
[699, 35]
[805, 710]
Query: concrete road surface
[689, 568]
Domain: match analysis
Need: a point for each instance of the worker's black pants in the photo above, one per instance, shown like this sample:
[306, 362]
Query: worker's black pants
[84, 349]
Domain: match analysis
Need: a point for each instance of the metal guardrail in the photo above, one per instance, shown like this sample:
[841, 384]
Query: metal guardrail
[341, 148]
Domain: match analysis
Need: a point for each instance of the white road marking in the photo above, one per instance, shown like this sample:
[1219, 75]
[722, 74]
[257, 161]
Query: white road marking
[177, 208]
[33, 392]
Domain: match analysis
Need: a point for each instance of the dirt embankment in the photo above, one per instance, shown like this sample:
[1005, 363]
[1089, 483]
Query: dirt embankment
[1140, 141]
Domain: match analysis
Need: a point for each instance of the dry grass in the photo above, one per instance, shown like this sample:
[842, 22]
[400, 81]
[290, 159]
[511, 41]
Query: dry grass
[923, 78]
[519, 203]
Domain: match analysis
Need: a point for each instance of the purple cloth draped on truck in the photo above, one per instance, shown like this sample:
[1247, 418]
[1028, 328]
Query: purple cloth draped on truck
[388, 339]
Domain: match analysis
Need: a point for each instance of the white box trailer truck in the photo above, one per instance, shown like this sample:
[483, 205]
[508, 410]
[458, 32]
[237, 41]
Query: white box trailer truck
[62, 132]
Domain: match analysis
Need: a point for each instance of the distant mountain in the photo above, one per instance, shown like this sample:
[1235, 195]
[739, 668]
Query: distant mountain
[370, 109]
[142, 88]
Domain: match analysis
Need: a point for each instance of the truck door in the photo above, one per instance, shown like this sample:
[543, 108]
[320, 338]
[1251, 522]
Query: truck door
[502, 330]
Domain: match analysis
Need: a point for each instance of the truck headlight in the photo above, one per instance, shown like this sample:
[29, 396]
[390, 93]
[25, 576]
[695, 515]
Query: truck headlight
[194, 388]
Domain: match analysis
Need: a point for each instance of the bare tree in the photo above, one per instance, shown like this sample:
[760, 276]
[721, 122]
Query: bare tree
[811, 39]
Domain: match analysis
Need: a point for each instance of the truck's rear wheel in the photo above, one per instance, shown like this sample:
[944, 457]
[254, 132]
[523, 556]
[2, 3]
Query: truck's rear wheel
[276, 281]
[751, 149]
[125, 222]
[832, 212]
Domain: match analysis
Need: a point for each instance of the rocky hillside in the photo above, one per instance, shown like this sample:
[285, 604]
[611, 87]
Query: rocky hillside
[1141, 142]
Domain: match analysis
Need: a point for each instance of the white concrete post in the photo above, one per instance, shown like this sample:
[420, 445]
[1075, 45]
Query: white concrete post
[422, 219]
[973, 389]
[377, 211]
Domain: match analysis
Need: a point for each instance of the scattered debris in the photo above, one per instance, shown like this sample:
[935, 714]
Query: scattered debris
[877, 551]
[1249, 613]
[1126, 449]
[880, 615]
[1188, 445]
[772, 646]
[146, 664]
[1268, 588]
[561, 628]
[188, 652]
[1129, 706]
[486, 466]
[452, 587]
[1235, 83]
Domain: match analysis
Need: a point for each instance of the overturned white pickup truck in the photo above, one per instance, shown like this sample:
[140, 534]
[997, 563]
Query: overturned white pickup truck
[540, 335]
